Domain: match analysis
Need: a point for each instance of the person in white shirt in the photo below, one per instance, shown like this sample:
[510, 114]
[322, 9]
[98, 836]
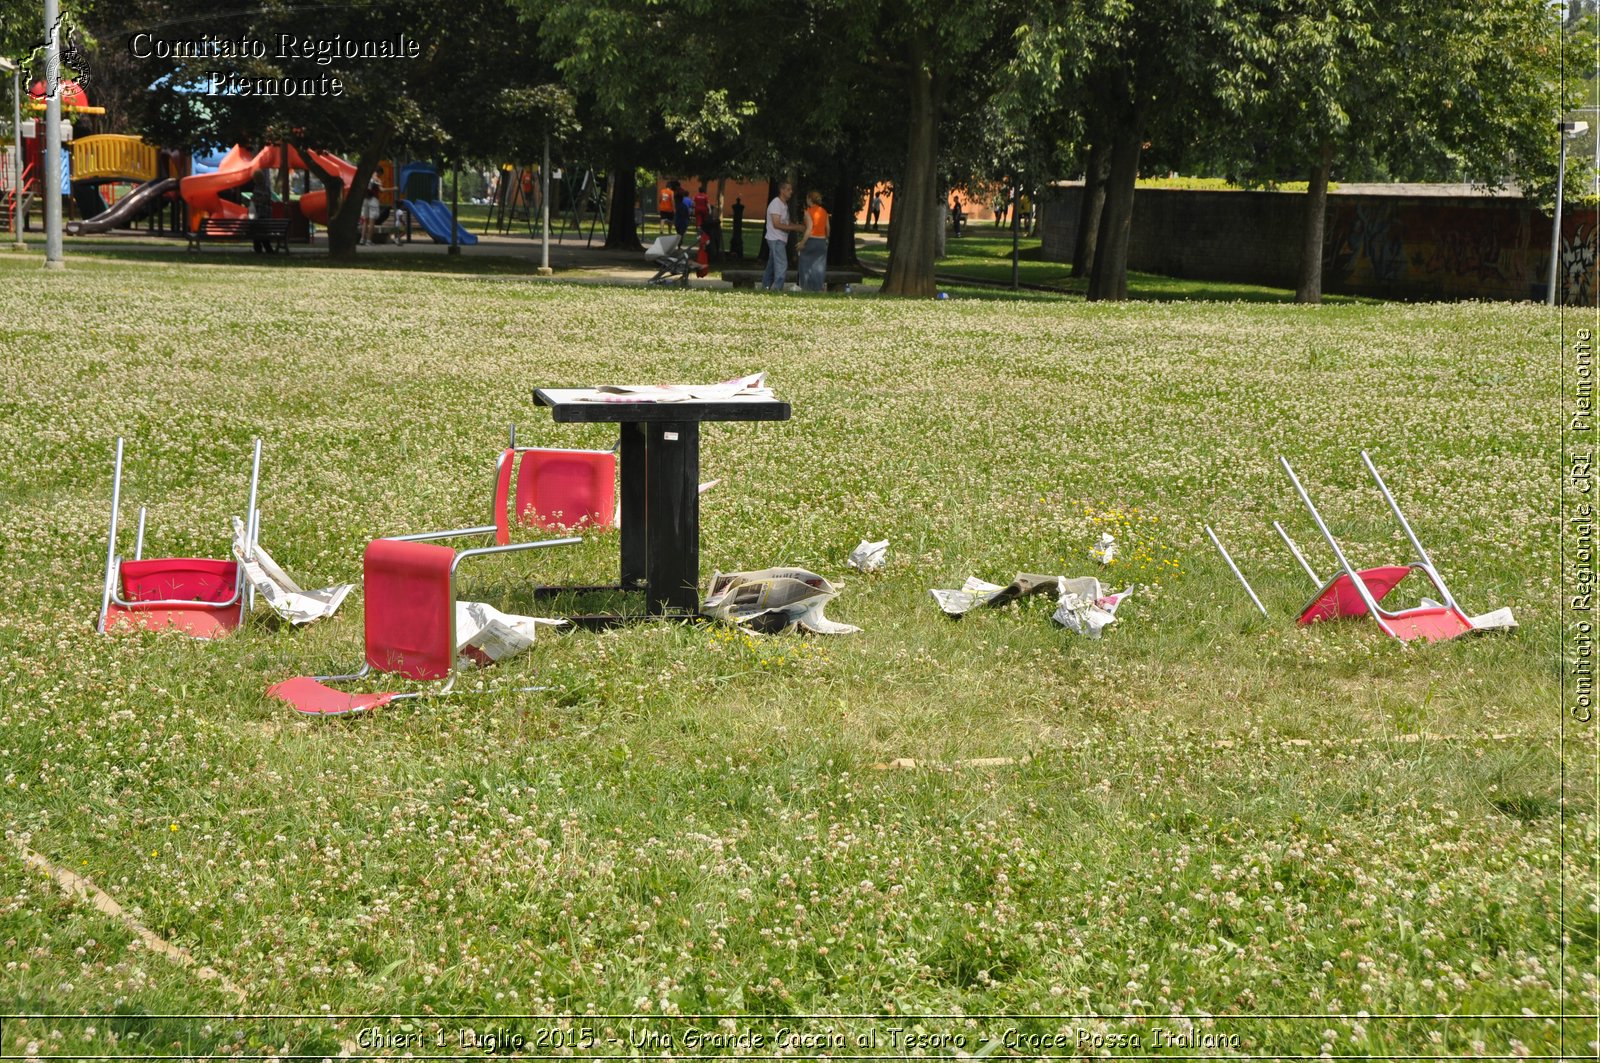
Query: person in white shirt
[778, 228]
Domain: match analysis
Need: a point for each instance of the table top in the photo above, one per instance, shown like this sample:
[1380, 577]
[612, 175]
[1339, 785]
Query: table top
[579, 405]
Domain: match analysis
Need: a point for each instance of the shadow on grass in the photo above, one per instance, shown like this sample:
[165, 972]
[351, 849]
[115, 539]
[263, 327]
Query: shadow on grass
[984, 260]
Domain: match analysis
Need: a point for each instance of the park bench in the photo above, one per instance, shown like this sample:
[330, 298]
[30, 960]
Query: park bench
[274, 230]
[835, 279]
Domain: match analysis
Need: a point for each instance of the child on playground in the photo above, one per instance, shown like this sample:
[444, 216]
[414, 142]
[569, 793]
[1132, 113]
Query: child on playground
[370, 209]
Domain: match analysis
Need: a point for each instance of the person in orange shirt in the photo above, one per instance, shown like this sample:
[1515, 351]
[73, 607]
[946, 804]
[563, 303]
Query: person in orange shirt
[814, 245]
[667, 204]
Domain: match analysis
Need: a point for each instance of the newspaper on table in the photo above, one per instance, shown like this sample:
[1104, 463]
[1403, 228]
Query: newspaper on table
[774, 601]
[485, 635]
[278, 590]
[743, 387]
[1083, 606]
[869, 556]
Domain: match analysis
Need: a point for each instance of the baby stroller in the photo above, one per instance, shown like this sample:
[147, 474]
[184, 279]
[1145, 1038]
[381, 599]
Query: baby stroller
[672, 260]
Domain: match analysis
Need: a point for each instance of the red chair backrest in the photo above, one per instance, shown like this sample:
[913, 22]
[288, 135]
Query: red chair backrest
[567, 488]
[194, 579]
[410, 608]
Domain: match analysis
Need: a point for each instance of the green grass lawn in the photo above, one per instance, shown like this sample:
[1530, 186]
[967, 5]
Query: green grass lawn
[1204, 814]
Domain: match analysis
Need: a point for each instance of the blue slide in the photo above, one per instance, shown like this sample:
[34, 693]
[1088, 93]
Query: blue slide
[435, 218]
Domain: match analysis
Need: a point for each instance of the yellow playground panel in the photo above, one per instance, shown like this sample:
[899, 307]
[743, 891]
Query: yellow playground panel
[112, 156]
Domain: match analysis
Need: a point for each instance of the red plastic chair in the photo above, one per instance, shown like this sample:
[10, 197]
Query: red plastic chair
[201, 597]
[1430, 622]
[410, 622]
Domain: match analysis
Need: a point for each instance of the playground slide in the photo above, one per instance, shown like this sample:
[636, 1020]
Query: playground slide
[435, 218]
[202, 192]
[129, 208]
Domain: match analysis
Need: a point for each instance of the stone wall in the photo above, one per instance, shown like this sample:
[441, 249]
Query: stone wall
[1393, 246]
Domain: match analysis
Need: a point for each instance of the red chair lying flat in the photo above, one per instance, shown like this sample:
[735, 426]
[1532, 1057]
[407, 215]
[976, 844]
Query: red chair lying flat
[201, 597]
[410, 624]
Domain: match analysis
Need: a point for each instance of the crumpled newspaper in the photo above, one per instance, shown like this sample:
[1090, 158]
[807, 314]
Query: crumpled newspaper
[1104, 551]
[975, 592]
[869, 556]
[1083, 606]
[279, 591]
[485, 635]
[774, 601]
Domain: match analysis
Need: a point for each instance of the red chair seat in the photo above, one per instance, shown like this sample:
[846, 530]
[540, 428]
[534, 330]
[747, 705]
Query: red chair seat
[312, 698]
[200, 621]
[1430, 623]
[1339, 598]
[567, 488]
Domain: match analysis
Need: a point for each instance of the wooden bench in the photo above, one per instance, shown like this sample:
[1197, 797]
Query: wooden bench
[275, 231]
[835, 279]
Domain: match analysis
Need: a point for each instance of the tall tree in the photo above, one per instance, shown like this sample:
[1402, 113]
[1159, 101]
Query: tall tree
[1423, 88]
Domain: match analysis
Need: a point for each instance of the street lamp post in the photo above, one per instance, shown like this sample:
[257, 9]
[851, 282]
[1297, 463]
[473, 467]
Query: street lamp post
[52, 135]
[1568, 131]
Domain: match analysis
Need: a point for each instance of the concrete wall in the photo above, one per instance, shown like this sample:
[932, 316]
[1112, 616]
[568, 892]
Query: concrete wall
[1393, 246]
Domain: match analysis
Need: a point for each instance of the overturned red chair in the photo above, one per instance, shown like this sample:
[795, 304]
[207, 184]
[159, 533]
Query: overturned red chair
[202, 597]
[1359, 592]
[410, 627]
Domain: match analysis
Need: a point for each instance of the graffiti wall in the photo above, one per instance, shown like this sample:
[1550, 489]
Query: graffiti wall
[1421, 248]
[1390, 246]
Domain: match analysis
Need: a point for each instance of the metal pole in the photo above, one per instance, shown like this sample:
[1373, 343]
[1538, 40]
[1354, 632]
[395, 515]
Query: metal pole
[1218, 544]
[16, 158]
[1014, 284]
[455, 208]
[52, 136]
[1555, 230]
[544, 210]
[1298, 556]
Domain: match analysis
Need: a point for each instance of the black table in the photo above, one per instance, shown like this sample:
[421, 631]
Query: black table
[660, 474]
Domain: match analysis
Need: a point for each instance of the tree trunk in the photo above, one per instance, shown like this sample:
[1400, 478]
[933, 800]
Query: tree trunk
[1090, 208]
[1109, 279]
[842, 225]
[622, 227]
[1309, 288]
[344, 211]
[916, 200]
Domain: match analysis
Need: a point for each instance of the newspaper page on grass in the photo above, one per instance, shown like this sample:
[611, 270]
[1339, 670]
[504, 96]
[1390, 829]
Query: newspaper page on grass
[774, 601]
[869, 556]
[279, 591]
[485, 635]
[743, 387]
[1083, 606]
[976, 592]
